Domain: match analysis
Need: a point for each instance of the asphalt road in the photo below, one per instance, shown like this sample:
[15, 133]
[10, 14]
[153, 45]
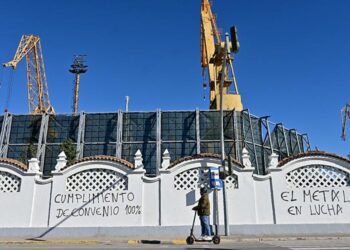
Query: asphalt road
[323, 244]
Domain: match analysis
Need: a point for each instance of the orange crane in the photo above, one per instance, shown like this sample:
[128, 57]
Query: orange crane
[38, 95]
[218, 63]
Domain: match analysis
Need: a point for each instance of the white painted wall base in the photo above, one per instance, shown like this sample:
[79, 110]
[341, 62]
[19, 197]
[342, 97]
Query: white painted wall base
[175, 232]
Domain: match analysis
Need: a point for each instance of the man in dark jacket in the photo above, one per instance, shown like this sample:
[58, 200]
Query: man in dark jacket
[203, 209]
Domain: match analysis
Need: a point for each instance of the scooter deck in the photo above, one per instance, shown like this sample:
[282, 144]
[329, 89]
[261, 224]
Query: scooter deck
[203, 240]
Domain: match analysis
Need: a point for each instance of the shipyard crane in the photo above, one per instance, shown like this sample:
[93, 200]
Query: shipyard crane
[218, 63]
[38, 95]
[78, 67]
[345, 114]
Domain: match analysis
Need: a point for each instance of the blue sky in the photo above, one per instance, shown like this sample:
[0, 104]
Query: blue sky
[293, 64]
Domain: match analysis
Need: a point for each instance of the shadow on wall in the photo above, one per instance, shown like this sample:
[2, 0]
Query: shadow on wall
[77, 209]
[191, 198]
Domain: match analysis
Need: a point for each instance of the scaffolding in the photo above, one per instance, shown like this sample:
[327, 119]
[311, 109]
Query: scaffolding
[121, 134]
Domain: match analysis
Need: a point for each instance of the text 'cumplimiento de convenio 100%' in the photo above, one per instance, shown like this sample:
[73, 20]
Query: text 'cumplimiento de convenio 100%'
[109, 197]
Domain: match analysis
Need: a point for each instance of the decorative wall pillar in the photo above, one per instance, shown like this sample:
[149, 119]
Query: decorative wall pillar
[166, 159]
[246, 159]
[273, 161]
[138, 160]
[61, 162]
[34, 166]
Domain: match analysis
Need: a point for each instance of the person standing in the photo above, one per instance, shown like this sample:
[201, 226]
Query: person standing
[203, 209]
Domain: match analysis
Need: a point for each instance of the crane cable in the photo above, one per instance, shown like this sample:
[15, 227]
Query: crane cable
[204, 80]
[9, 93]
[1, 76]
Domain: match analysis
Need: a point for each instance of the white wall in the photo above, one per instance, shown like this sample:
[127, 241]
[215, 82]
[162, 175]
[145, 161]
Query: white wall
[320, 202]
[100, 207]
[243, 194]
[151, 202]
[167, 200]
[16, 207]
[41, 203]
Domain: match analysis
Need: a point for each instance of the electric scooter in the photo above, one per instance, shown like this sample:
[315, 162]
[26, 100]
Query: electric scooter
[191, 238]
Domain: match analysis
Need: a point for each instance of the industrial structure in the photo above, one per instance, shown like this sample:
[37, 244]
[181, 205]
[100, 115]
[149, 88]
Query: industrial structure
[78, 67]
[42, 134]
[38, 94]
[121, 134]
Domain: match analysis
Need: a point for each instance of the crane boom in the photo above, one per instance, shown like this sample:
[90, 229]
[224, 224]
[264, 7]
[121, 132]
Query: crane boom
[213, 60]
[38, 95]
[209, 33]
[345, 114]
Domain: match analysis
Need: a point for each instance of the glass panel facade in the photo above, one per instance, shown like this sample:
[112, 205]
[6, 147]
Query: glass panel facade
[178, 134]
[178, 126]
[51, 155]
[62, 127]
[139, 127]
[25, 129]
[209, 125]
[22, 153]
[101, 127]
[99, 149]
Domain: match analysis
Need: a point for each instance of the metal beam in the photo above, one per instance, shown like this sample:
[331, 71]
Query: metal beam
[198, 139]
[118, 150]
[275, 130]
[81, 136]
[251, 131]
[235, 135]
[307, 142]
[41, 149]
[159, 148]
[298, 141]
[243, 132]
[265, 122]
[285, 138]
[296, 136]
[5, 135]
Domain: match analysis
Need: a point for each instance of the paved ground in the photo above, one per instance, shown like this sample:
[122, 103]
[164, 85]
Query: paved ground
[227, 243]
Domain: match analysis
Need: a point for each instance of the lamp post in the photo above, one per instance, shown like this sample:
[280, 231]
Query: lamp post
[222, 141]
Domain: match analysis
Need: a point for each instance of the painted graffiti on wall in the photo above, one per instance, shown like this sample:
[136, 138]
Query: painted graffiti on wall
[316, 202]
[96, 204]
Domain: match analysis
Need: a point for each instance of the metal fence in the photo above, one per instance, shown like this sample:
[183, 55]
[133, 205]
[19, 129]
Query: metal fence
[121, 134]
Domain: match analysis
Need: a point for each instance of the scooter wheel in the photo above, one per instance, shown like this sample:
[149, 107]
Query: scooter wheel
[216, 240]
[190, 240]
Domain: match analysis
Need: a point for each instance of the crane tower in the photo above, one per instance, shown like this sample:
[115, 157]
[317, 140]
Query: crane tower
[78, 67]
[218, 63]
[38, 95]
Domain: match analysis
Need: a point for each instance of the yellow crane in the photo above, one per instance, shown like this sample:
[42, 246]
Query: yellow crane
[38, 95]
[213, 60]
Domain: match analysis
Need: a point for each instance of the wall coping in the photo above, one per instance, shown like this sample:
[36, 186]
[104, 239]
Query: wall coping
[14, 163]
[283, 162]
[201, 156]
[101, 158]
